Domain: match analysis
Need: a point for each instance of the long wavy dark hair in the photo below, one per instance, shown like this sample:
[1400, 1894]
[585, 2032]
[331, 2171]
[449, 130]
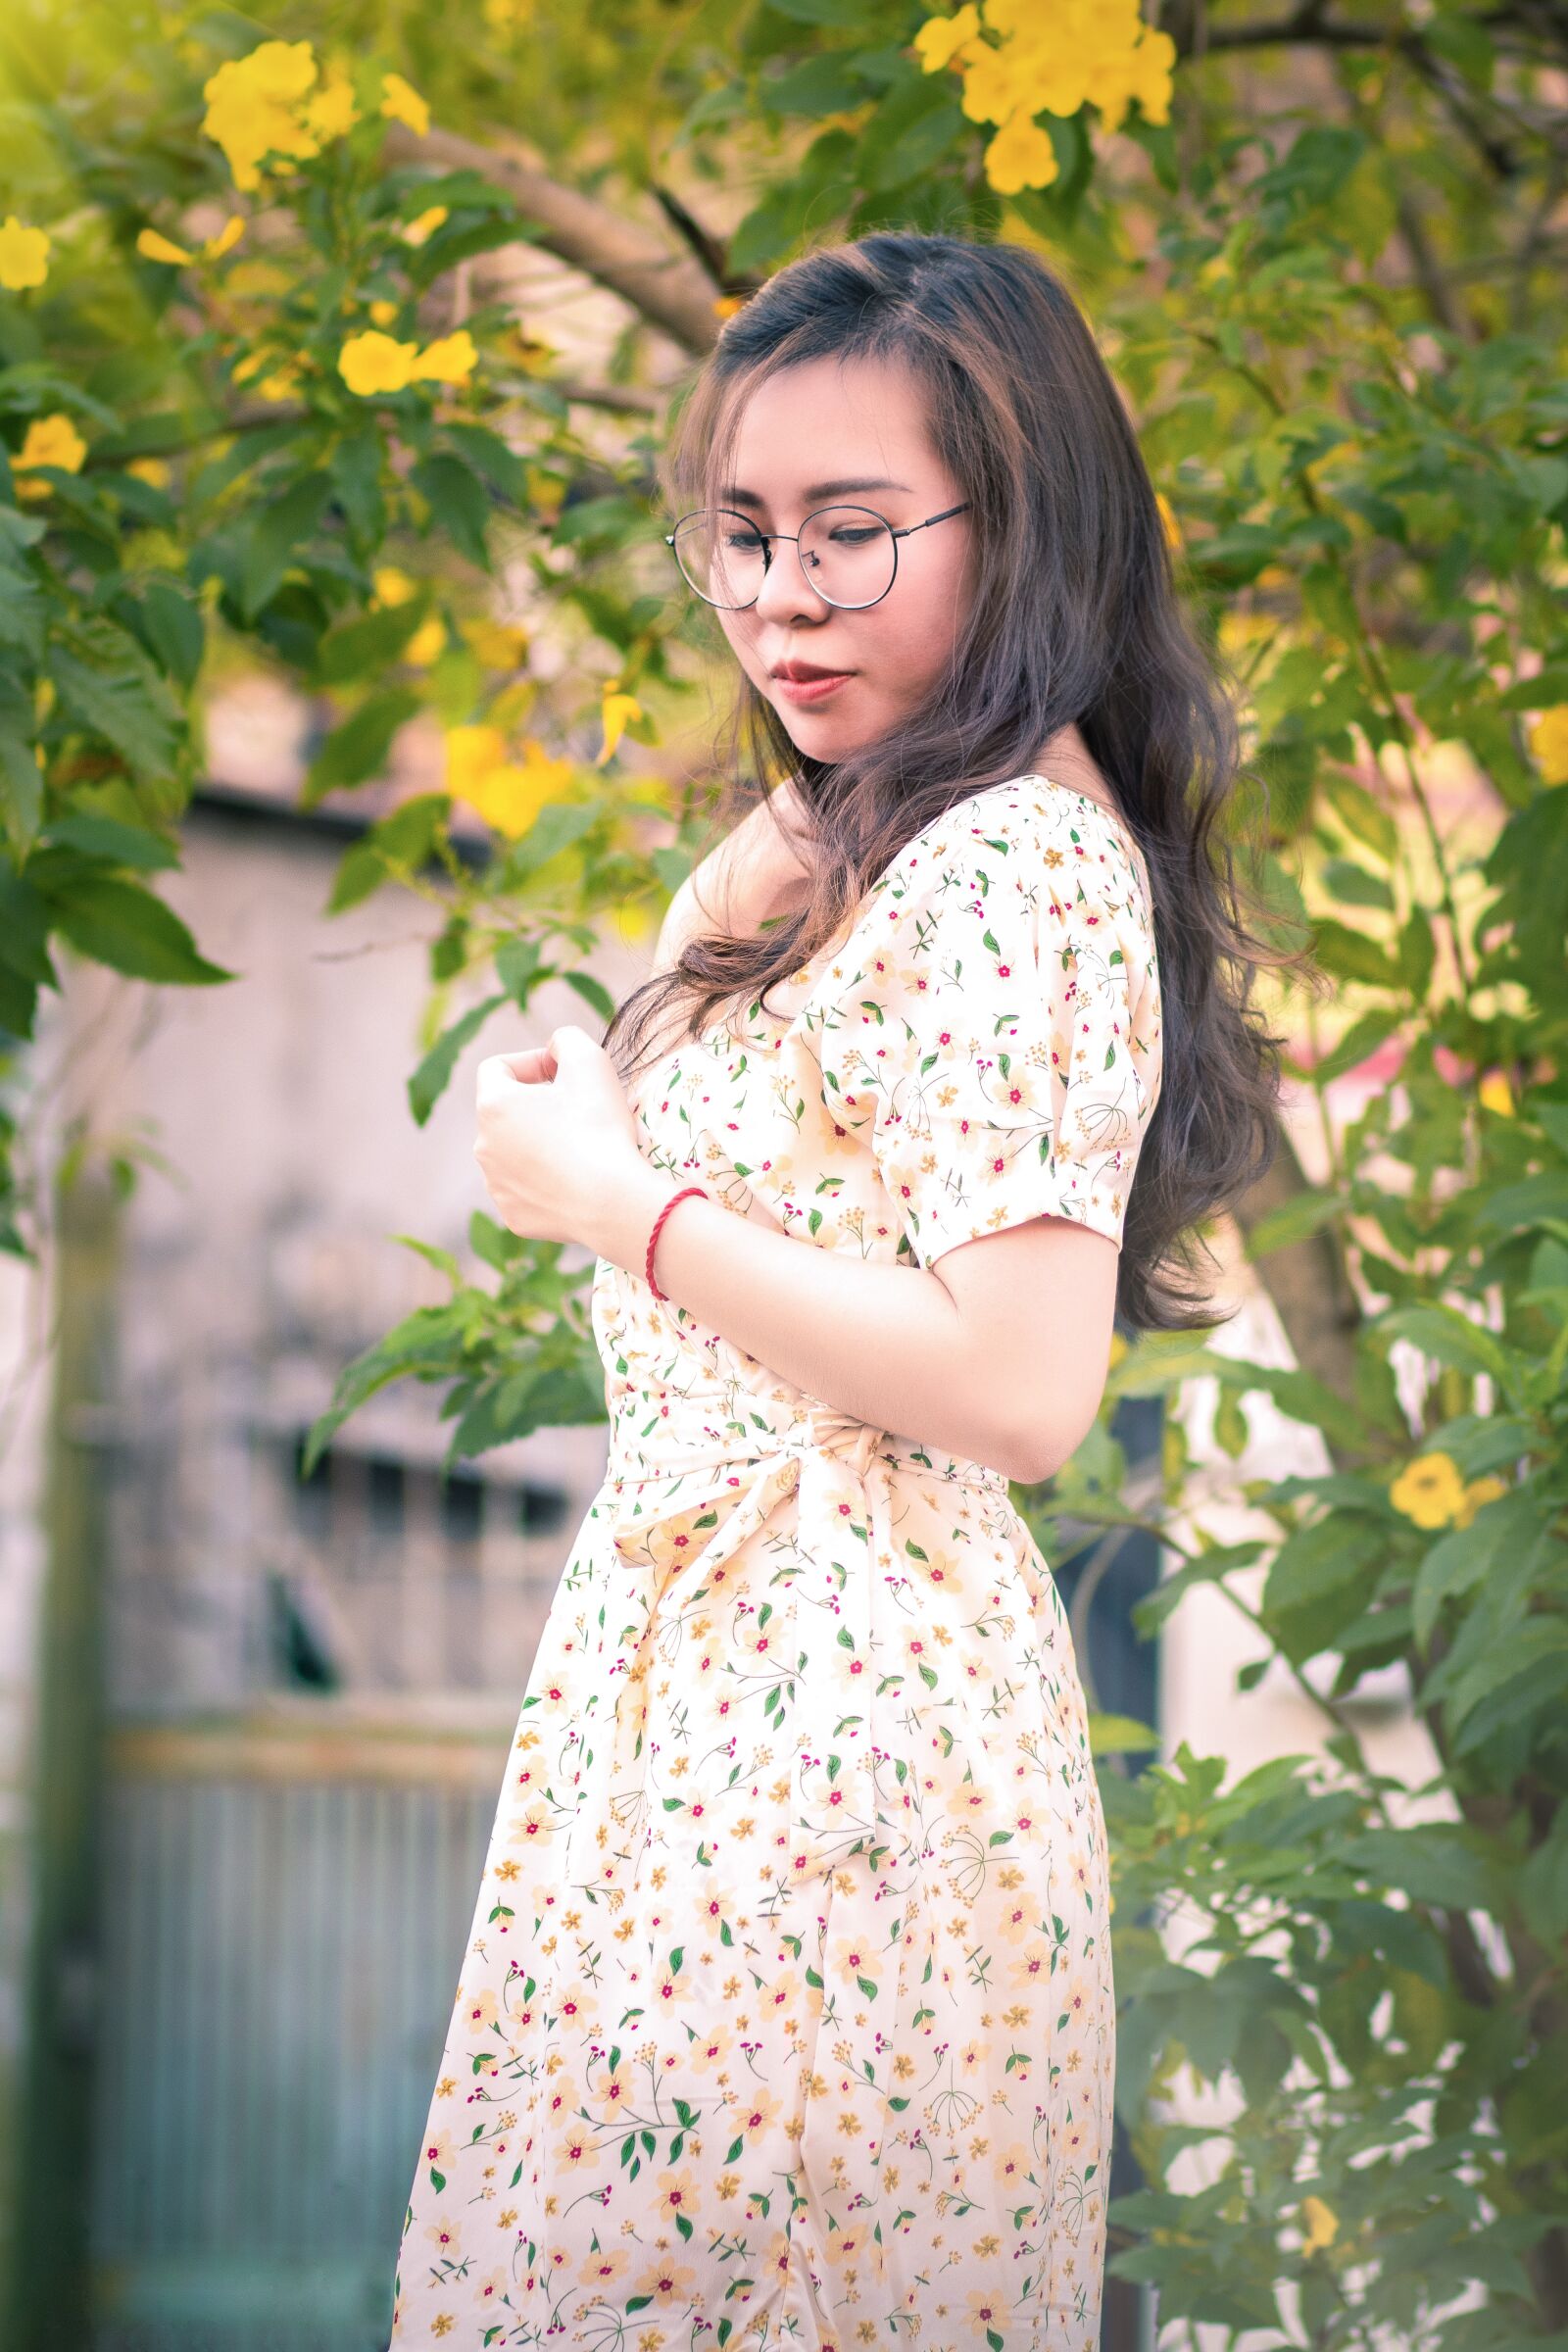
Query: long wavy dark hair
[1073, 616]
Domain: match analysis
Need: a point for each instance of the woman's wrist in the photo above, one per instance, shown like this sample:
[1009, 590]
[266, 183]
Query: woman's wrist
[632, 1204]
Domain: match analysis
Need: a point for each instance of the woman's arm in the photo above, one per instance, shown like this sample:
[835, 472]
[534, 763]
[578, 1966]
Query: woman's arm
[999, 1355]
[1002, 1356]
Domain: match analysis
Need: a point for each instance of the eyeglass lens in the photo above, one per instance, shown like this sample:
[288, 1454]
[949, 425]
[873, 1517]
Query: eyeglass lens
[847, 553]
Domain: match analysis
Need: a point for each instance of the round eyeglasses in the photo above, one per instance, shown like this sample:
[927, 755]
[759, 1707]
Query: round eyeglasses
[849, 554]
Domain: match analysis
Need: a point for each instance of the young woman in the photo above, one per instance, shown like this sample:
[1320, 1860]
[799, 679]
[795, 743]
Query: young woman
[787, 2013]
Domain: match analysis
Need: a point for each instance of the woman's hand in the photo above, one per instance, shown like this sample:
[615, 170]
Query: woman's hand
[556, 1144]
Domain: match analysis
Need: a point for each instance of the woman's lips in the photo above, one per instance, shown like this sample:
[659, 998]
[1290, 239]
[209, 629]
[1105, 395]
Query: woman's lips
[813, 690]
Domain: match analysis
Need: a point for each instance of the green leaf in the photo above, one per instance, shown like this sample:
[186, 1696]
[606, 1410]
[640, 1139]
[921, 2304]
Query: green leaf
[355, 466]
[1117, 1734]
[1462, 1558]
[458, 503]
[105, 837]
[20, 791]
[364, 646]
[119, 924]
[1350, 955]
[1431, 1863]
[110, 686]
[1444, 1331]
[404, 841]
[174, 624]
[282, 525]
[494, 461]
[1322, 1560]
[358, 748]
[841, 15]
[429, 1081]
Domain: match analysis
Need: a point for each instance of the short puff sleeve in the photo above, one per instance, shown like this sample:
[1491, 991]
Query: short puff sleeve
[996, 1034]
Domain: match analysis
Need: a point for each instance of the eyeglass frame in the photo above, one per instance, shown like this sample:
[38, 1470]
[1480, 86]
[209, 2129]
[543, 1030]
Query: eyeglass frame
[767, 537]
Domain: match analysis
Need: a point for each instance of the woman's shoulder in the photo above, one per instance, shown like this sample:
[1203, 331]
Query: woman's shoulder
[1050, 826]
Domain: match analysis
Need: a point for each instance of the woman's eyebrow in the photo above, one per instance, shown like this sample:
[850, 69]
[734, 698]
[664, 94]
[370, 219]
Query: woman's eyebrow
[815, 490]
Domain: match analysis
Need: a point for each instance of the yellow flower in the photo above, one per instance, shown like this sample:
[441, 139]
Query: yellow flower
[450, 361]
[383, 313]
[726, 306]
[1548, 743]
[1497, 1094]
[331, 113]
[51, 441]
[154, 470]
[158, 248]
[1020, 156]
[617, 709]
[428, 640]
[939, 38]
[508, 795]
[1322, 2224]
[374, 362]
[154, 247]
[1428, 1489]
[1079, 53]
[1167, 515]
[419, 231]
[392, 587]
[499, 643]
[283, 384]
[404, 104]
[252, 109]
[1480, 1490]
[23, 255]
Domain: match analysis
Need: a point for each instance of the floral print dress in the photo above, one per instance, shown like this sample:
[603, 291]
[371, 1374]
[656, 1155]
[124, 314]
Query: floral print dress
[786, 2015]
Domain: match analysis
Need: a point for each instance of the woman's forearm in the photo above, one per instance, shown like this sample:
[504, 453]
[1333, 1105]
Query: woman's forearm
[885, 1343]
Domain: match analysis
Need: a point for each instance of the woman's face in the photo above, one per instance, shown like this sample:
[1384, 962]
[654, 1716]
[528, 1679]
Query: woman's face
[852, 431]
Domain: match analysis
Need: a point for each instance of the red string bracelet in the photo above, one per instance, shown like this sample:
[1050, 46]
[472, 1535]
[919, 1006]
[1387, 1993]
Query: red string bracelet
[653, 1238]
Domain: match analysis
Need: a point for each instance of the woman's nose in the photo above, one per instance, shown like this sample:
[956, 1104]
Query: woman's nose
[785, 587]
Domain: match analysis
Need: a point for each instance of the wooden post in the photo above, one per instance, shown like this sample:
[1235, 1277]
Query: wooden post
[53, 2182]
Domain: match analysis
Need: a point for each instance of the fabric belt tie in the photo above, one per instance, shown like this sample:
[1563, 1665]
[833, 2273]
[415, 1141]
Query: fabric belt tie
[833, 1466]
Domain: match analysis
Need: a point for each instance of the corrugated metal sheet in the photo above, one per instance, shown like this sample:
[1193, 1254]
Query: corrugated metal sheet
[282, 1946]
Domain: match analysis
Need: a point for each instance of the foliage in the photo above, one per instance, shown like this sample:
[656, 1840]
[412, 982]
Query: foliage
[1325, 268]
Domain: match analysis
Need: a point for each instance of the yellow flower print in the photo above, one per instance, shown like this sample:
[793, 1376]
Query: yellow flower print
[23, 255]
[373, 363]
[51, 440]
[1428, 1489]
[403, 104]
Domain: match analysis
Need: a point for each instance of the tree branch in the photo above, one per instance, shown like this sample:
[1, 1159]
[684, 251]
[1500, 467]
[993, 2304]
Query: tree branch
[672, 291]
